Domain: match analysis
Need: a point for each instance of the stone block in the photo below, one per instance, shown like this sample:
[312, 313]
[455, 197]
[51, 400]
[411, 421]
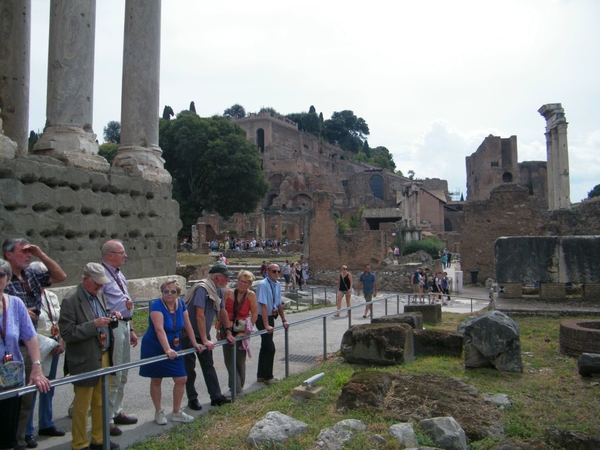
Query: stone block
[431, 313]
[378, 344]
[431, 342]
[414, 319]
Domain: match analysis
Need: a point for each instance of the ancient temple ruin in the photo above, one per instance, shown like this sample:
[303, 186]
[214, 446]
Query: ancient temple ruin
[63, 196]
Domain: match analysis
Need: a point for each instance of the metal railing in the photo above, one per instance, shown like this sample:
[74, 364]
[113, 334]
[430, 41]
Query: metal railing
[104, 372]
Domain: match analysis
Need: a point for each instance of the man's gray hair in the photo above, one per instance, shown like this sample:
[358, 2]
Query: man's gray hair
[38, 267]
[10, 244]
[109, 246]
[5, 267]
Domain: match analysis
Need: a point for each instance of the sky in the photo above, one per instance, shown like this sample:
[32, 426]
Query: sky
[432, 78]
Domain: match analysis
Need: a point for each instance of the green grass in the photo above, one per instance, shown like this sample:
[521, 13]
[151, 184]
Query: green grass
[548, 393]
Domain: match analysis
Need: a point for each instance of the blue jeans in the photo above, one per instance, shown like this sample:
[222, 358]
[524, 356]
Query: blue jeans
[45, 406]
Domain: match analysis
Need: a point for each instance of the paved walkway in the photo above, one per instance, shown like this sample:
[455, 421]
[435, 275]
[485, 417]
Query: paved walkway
[306, 346]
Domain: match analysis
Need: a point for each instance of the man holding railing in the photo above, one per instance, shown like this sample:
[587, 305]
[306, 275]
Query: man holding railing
[269, 306]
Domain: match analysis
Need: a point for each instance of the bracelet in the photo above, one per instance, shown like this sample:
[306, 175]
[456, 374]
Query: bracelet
[36, 363]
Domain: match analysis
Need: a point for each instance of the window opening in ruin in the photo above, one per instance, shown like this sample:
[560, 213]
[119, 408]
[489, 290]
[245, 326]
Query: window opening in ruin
[376, 183]
[574, 290]
[260, 139]
[495, 164]
[507, 177]
[447, 225]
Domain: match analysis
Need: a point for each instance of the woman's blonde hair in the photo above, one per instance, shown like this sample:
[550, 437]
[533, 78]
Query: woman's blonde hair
[166, 283]
[246, 274]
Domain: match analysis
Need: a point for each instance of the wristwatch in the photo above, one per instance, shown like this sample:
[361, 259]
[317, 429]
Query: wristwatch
[37, 363]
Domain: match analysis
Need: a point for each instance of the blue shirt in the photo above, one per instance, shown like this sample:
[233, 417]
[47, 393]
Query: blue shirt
[368, 282]
[202, 300]
[269, 293]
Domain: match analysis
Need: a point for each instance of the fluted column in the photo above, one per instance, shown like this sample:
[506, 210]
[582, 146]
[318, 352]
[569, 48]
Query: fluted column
[139, 152]
[557, 155]
[15, 45]
[68, 134]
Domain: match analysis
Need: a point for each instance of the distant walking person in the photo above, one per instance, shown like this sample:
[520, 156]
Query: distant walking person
[344, 289]
[269, 304]
[368, 284]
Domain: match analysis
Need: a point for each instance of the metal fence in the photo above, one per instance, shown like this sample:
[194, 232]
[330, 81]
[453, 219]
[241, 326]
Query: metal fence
[393, 299]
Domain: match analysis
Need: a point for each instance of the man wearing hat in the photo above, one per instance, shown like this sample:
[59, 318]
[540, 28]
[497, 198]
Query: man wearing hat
[84, 324]
[204, 302]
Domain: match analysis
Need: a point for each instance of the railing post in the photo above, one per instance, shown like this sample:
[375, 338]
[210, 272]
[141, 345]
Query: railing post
[398, 304]
[312, 300]
[287, 352]
[324, 338]
[234, 390]
[386, 312]
[105, 414]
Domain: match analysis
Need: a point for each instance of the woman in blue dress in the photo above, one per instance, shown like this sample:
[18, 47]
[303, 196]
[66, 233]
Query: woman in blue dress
[167, 319]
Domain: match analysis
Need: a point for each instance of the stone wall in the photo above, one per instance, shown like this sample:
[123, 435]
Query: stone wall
[511, 211]
[70, 212]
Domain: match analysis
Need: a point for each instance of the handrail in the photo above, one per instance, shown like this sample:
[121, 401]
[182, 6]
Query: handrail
[104, 372]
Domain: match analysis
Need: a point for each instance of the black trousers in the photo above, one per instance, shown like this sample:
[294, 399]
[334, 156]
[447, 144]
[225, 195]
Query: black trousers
[266, 357]
[208, 370]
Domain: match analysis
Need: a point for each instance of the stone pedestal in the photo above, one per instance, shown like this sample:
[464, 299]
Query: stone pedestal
[8, 147]
[139, 152]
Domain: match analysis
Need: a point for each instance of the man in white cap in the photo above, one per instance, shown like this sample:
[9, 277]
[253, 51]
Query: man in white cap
[85, 325]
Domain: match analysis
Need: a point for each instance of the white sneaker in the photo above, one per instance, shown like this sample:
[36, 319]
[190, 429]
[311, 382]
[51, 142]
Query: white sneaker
[160, 418]
[181, 417]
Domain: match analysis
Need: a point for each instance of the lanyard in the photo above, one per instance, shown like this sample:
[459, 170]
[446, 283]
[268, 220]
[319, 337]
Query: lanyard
[117, 280]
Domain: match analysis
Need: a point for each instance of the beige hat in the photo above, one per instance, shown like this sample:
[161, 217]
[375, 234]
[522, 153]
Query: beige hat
[96, 272]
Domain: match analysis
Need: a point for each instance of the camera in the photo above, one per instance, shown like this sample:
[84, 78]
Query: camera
[114, 322]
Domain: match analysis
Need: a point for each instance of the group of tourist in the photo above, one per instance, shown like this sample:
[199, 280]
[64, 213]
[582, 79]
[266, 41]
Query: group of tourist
[431, 287]
[367, 285]
[93, 328]
[239, 245]
[295, 274]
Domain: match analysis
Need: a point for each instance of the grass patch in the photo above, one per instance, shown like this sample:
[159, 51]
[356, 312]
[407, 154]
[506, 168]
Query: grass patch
[548, 393]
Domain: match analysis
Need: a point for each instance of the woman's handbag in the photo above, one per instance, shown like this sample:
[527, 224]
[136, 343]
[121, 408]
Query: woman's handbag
[12, 375]
[239, 326]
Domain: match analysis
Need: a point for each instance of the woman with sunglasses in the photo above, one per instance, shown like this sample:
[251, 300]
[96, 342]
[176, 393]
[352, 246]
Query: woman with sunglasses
[344, 289]
[167, 319]
[242, 310]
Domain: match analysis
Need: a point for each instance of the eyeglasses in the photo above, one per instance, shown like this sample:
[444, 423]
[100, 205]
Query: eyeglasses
[167, 291]
[120, 253]
[2, 275]
[275, 271]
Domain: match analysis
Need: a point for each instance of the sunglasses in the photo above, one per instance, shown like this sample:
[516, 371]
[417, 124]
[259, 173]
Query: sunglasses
[2, 275]
[167, 292]
[275, 271]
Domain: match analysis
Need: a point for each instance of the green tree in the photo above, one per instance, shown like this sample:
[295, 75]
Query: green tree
[112, 132]
[346, 130]
[33, 138]
[308, 122]
[236, 111]
[167, 113]
[411, 174]
[213, 165]
[108, 150]
[269, 109]
[594, 192]
[381, 157]
[193, 107]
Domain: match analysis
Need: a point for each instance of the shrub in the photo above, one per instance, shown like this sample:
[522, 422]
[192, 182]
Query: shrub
[430, 245]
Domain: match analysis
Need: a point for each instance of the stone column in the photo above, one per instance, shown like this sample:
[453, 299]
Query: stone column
[15, 45]
[139, 152]
[68, 134]
[557, 154]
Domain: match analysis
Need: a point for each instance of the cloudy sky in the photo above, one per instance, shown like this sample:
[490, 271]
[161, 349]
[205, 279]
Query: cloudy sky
[431, 78]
